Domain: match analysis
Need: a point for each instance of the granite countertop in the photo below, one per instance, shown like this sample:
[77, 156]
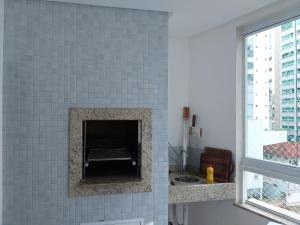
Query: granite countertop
[182, 192]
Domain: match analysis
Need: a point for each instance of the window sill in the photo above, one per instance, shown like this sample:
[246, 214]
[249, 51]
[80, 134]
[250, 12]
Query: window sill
[265, 214]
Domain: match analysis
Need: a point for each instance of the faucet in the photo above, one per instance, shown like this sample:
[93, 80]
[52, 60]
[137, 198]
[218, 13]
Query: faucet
[182, 160]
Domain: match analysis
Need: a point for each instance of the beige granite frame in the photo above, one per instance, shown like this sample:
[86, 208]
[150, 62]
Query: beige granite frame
[79, 188]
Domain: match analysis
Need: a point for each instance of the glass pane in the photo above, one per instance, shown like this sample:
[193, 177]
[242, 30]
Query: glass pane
[276, 194]
[273, 94]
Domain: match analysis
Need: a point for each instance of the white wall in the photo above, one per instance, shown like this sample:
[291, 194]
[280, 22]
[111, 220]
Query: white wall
[215, 95]
[178, 97]
[1, 91]
[213, 91]
[222, 213]
[212, 76]
[178, 87]
[212, 85]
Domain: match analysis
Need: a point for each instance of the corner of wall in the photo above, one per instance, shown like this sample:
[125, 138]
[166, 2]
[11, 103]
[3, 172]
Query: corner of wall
[239, 107]
[1, 100]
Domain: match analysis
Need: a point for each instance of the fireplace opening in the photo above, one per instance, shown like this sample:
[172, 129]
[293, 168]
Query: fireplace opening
[111, 149]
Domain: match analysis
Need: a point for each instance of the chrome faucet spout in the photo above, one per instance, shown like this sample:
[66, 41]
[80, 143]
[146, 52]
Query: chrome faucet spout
[183, 161]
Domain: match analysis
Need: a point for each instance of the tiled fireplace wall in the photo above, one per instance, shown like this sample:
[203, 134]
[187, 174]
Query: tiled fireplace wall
[58, 56]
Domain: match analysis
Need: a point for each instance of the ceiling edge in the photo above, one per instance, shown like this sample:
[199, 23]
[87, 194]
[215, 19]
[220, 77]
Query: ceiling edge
[153, 5]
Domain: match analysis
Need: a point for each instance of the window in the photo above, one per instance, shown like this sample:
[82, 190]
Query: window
[286, 26]
[287, 73]
[288, 91]
[287, 82]
[250, 65]
[250, 79]
[287, 46]
[288, 100]
[288, 109]
[287, 37]
[270, 165]
[287, 118]
[288, 63]
[288, 55]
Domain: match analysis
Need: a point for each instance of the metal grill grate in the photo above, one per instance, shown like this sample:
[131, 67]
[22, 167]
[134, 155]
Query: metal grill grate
[98, 155]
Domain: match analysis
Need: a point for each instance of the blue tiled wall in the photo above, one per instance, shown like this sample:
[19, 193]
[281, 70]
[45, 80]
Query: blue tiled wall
[58, 56]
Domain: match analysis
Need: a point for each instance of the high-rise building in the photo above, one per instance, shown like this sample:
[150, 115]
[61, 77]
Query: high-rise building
[290, 77]
[274, 65]
[261, 78]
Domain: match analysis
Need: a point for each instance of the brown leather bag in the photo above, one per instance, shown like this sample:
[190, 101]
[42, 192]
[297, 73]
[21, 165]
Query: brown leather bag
[221, 161]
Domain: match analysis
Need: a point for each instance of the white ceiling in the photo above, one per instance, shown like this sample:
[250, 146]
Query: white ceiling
[195, 16]
[189, 17]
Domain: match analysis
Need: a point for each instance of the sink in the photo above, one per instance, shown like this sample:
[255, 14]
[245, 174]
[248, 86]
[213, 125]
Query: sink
[187, 179]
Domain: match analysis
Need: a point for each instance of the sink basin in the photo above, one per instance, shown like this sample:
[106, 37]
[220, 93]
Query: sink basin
[187, 179]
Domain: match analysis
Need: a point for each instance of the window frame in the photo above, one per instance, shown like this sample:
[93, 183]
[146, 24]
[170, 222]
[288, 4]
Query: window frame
[245, 164]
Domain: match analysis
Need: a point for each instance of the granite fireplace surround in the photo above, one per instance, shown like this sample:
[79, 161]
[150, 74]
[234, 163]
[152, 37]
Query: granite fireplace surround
[111, 185]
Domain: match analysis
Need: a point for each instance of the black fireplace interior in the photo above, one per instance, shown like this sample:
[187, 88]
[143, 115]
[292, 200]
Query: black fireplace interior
[111, 148]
